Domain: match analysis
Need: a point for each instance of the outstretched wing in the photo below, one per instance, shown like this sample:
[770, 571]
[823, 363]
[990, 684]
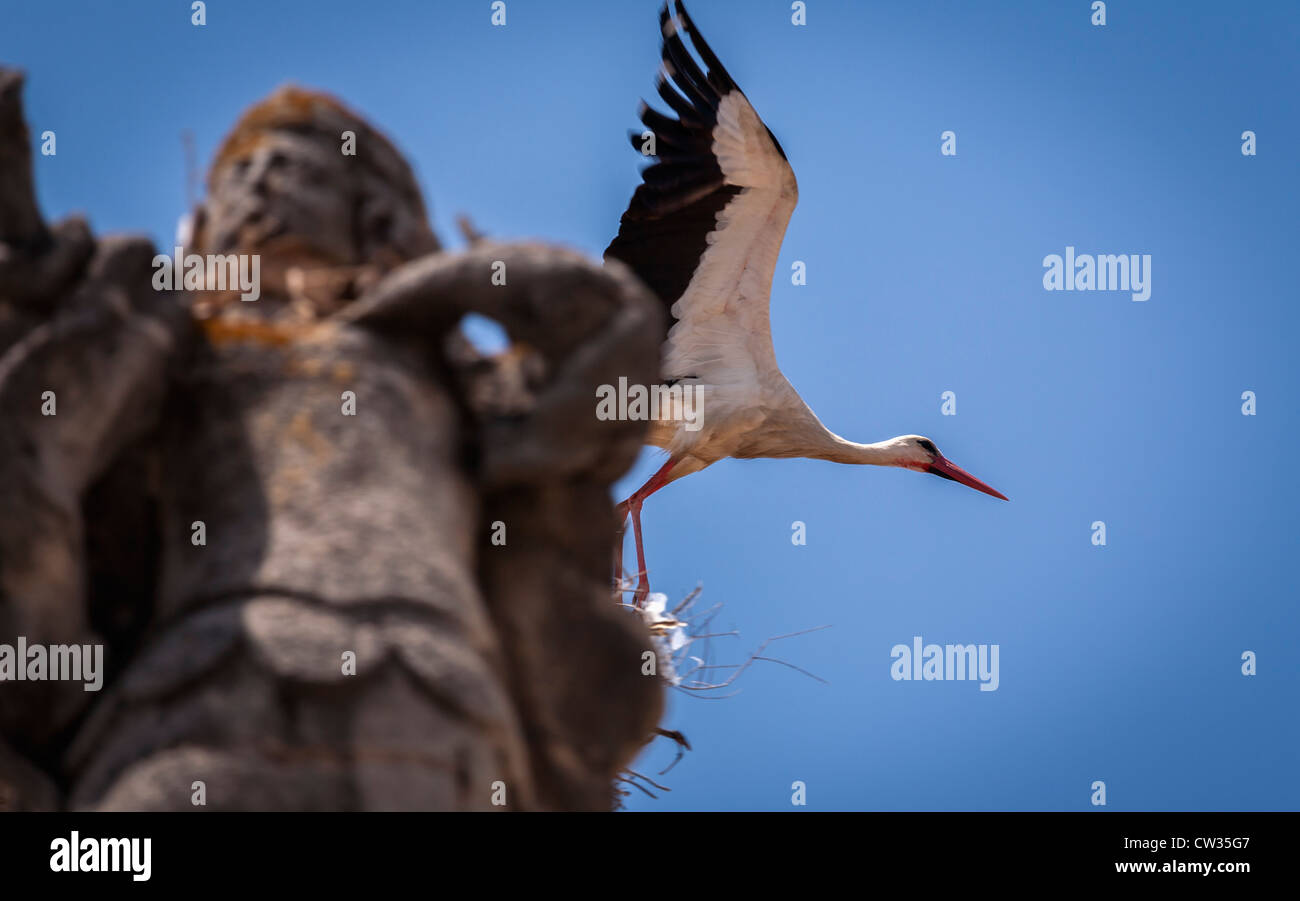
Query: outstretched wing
[704, 228]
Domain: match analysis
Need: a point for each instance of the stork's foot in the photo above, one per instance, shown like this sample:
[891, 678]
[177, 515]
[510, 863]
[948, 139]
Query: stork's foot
[620, 580]
[630, 507]
[642, 591]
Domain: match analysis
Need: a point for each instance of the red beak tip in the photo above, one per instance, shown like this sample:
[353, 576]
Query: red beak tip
[957, 474]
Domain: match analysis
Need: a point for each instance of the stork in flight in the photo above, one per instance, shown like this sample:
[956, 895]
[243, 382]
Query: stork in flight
[703, 231]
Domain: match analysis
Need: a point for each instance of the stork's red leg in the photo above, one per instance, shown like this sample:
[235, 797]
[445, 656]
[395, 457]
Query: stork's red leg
[621, 510]
[642, 573]
[633, 506]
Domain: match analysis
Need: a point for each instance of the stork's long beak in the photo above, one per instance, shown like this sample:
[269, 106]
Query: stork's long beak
[944, 467]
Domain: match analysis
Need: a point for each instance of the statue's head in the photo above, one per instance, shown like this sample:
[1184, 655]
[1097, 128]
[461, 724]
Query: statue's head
[326, 200]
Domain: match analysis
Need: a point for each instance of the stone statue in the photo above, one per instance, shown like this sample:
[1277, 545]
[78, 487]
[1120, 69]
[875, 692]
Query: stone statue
[333, 556]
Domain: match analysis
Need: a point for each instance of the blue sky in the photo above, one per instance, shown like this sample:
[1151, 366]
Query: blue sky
[1119, 663]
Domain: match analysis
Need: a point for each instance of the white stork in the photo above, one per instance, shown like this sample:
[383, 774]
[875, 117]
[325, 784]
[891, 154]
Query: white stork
[703, 231]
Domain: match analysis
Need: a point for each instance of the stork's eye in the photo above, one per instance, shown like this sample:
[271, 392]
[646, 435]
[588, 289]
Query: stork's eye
[927, 444]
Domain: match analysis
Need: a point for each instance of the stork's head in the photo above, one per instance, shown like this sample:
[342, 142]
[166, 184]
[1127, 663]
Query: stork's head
[919, 453]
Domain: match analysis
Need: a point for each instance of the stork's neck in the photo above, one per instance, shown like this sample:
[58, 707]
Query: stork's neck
[797, 432]
[792, 429]
[841, 450]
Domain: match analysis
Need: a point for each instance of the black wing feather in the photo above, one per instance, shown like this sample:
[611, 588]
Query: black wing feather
[718, 76]
[665, 230]
[680, 105]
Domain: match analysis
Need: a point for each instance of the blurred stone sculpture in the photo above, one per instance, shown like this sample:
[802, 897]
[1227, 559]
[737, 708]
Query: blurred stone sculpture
[337, 559]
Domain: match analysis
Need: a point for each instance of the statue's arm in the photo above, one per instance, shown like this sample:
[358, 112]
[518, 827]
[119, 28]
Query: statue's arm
[85, 347]
[588, 324]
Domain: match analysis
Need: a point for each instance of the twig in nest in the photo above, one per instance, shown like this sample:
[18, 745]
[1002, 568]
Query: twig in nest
[741, 667]
[682, 746]
[471, 234]
[629, 777]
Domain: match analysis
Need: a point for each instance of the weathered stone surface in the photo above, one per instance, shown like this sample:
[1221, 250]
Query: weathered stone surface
[346, 456]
